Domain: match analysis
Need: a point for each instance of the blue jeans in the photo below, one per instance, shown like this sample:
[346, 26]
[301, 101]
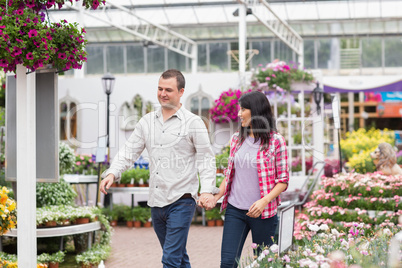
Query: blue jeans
[171, 224]
[235, 231]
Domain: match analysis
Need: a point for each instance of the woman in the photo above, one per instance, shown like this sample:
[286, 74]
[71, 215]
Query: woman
[257, 173]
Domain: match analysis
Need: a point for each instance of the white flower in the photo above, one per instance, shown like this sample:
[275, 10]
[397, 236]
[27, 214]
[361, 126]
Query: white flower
[274, 248]
[335, 232]
[255, 264]
[262, 256]
[325, 265]
[386, 231]
[324, 227]
[313, 227]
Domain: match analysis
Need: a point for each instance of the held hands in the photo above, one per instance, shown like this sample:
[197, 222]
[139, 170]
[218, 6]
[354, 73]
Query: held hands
[106, 183]
[256, 208]
[207, 201]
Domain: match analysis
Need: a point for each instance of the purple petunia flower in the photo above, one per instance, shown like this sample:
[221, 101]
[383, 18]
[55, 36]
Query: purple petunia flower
[71, 58]
[29, 56]
[62, 56]
[95, 4]
[20, 12]
[32, 33]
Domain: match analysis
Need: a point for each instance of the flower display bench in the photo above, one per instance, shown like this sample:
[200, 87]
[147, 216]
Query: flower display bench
[61, 232]
[127, 190]
[82, 179]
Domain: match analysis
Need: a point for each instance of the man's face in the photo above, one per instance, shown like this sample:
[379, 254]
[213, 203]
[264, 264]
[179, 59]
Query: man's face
[168, 93]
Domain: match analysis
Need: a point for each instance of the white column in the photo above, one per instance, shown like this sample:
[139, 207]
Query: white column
[194, 59]
[26, 168]
[242, 43]
[351, 108]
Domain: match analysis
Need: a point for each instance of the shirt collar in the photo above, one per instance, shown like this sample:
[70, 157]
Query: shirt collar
[179, 113]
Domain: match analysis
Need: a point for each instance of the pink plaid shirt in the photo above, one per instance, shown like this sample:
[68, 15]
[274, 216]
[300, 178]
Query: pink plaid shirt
[272, 165]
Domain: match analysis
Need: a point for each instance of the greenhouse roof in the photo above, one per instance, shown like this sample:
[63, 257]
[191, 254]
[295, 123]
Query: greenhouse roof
[207, 20]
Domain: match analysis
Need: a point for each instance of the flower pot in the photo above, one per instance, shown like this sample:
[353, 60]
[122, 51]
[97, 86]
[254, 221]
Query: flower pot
[147, 224]
[86, 265]
[129, 185]
[113, 223]
[121, 185]
[53, 265]
[137, 224]
[114, 184]
[219, 222]
[129, 224]
[211, 223]
[51, 224]
[81, 220]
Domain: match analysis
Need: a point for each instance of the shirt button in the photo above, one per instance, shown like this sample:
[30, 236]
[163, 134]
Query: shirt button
[157, 173]
[163, 131]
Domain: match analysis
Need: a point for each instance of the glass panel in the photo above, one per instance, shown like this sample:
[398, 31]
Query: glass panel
[283, 52]
[194, 105]
[63, 126]
[218, 57]
[73, 120]
[371, 52]
[135, 59]
[176, 61]
[323, 53]
[393, 52]
[95, 60]
[202, 57]
[264, 53]
[115, 59]
[309, 54]
[156, 59]
[205, 104]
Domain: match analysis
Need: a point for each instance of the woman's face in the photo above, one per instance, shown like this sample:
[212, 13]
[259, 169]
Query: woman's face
[245, 117]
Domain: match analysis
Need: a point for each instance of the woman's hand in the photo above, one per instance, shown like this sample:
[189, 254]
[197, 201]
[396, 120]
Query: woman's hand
[257, 207]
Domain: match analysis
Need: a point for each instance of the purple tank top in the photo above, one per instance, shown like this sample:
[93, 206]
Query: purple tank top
[245, 188]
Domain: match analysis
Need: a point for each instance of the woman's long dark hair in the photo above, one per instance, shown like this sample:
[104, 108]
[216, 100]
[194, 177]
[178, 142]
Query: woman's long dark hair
[262, 119]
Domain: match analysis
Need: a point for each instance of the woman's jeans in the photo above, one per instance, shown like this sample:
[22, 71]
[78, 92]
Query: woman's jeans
[171, 224]
[235, 231]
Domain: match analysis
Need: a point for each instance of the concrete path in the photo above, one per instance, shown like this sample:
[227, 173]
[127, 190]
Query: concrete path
[139, 247]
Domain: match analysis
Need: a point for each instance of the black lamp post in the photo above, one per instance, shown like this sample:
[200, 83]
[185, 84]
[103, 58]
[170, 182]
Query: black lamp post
[318, 93]
[108, 84]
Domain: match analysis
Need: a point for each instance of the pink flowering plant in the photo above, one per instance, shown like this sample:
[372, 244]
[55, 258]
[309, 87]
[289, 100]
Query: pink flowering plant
[226, 106]
[27, 38]
[278, 76]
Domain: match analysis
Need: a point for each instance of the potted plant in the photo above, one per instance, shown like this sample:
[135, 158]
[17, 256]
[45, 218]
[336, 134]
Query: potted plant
[114, 215]
[138, 216]
[225, 109]
[146, 220]
[53, 260]
[128, 216]
[93, 256]
[210, 215]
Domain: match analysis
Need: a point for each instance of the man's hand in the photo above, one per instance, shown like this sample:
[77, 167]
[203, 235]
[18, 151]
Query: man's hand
[106, 183]
[207, 201]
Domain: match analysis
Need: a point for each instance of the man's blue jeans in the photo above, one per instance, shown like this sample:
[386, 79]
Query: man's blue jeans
[235, 231]
[171, 225]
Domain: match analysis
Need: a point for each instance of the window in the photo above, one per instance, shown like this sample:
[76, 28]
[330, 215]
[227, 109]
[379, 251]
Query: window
[264, 53]
[219, 60]
[68, 119]
[95, 64]
[131, 113]
[200, 103]
[371, 52]
[115, 59]
[156, 59]
[135, 59]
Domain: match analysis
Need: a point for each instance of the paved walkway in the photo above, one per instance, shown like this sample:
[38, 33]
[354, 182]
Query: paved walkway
[139, 247]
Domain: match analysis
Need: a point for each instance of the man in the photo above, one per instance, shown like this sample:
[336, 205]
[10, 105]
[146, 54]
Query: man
[178, 145]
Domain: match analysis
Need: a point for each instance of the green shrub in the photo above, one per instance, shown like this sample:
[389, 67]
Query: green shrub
[51, 194]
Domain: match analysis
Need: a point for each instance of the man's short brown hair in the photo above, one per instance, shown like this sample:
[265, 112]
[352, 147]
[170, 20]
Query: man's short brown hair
[181, 82]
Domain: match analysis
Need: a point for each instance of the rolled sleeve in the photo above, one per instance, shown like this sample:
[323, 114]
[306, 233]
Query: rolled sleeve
[128, 154]
[281, 158]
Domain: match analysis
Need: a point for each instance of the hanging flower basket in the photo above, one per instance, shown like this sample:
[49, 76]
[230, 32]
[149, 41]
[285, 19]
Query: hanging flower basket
[226, 106]
[27, 38]
[279, 76]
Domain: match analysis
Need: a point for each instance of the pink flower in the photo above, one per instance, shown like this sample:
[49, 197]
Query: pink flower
[32, 33]
[253, 245]
[62, 56]
[78, 163]
[29, 56]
